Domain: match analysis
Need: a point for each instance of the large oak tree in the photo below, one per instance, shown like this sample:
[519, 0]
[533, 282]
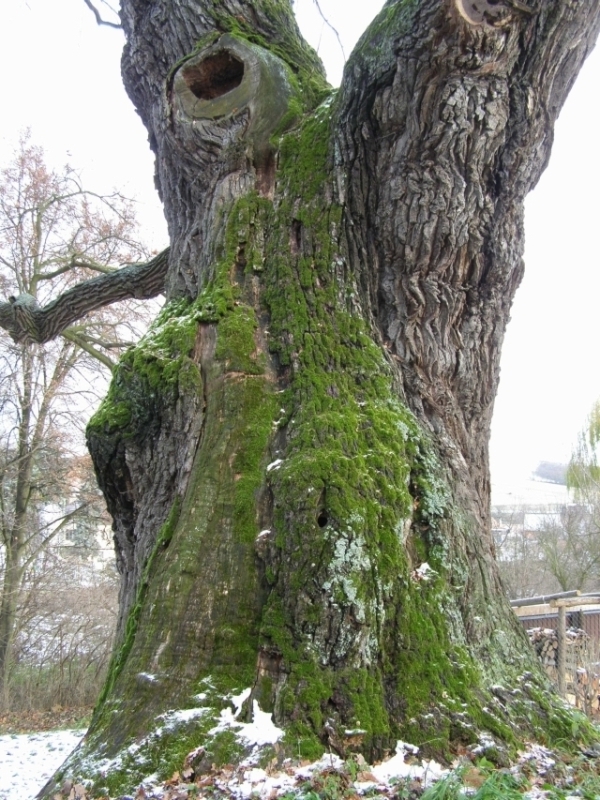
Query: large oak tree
[296, 456]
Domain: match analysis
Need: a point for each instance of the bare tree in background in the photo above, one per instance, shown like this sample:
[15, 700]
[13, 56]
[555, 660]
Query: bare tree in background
[547, 549]
[518, 553]
[569, 538]
[66, 623]
[569, 543]
[53, 234]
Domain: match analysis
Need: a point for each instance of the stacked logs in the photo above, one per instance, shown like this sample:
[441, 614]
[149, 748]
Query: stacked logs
[545, 644]
[582, 679]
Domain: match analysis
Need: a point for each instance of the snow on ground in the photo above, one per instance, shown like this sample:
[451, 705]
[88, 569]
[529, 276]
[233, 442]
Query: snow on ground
[260, 731]
[28, 760]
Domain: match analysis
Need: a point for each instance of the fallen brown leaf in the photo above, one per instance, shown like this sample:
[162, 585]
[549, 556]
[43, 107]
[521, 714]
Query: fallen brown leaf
[366, 776]
[473, 777]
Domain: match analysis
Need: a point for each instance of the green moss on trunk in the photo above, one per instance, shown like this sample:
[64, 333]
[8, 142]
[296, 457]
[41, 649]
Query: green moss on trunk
[311, 559]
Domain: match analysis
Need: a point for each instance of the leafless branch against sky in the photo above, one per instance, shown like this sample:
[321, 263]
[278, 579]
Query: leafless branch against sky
[98, 16]
[329, 25]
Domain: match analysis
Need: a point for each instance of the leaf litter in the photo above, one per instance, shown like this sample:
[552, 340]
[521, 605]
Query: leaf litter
[27, 761]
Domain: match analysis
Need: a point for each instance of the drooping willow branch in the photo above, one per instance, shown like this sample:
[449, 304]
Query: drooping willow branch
[26, 321]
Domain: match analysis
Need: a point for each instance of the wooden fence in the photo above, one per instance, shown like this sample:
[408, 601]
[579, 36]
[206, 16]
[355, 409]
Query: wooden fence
[565, 632]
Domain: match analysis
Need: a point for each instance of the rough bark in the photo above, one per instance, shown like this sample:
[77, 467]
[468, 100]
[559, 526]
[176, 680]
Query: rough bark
[306, 427]
[26, 321]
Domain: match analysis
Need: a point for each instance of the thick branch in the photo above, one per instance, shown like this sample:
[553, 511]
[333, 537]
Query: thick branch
[25, 321]
[444, 124]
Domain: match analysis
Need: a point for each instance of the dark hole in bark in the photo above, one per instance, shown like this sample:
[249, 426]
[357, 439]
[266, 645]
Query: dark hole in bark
[215, 76]
[240, 265]
[296, 235]
[265, 174]
[322, 519]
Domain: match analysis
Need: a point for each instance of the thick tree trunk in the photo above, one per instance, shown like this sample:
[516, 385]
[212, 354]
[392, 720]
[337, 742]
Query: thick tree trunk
[296, 455]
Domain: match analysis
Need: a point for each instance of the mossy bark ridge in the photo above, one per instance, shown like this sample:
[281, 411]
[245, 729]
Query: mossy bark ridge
[295, 456]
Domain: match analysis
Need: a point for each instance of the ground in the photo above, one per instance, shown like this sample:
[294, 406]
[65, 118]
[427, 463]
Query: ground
[28, 759]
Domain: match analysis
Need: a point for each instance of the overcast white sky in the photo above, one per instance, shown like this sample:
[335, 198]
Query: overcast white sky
[60, 77]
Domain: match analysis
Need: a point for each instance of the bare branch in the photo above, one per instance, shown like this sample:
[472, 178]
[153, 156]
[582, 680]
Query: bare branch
[76, 263]
[80, 341]
[99, 19]
[48, 276]
[331, 27]
[26, 321]
[81, 333]
[61, 525]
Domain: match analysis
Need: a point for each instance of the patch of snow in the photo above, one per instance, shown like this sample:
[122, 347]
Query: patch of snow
[541, 756]
[424, 572]
[327, 761]
[173, 718]
[274, 464]
[427, 772]
[27, 761]
[147, 677]
[535, 794]
[485, 740]
[262, 730]
[256, 783]
[259, 732]
[238, 700]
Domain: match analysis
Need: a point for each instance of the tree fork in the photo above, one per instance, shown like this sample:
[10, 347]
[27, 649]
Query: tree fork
[296, 455]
